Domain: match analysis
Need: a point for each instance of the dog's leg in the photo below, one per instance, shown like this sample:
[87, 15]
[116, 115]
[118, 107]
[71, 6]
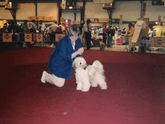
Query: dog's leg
[86, 85]
[103, 85]
[100, 80]
[79, 85]
[86, 88]
[94, 84]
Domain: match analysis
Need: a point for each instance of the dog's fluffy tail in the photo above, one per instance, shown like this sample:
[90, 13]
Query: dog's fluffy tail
[97, 64]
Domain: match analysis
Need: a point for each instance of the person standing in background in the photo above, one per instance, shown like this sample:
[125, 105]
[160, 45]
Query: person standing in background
[104, 33]
[25, 27]
[33, 27]
[11, 27]
[54, 27]
[111, 33]
[87, 32]
[41, 27]
[5, 28]
[129, 33]
[64, 28]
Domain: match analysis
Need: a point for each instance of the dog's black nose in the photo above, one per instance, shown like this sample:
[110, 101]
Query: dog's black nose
[80, 63]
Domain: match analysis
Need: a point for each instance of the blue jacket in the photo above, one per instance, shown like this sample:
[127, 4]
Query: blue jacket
[60, 62]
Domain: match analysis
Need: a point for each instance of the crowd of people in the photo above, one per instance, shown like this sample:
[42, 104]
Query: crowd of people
[109, 34]
[32, 27]
[47, 29]
[106, 33]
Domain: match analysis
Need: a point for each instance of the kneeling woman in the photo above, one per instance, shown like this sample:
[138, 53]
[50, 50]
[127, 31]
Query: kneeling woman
[60, 62]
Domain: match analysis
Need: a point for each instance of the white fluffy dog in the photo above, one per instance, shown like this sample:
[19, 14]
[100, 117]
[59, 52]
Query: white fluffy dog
[82, 78]
[93, 74]
[96, 75]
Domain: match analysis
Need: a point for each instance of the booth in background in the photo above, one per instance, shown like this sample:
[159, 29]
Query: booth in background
[136, 44]
[144, 31]
[158, 30]
[158, 41]
[138, 33]
[119, 41]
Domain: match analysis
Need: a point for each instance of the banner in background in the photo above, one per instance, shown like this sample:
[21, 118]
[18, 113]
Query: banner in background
[104, 20]
[96, 20]
[28, 37]
[38, 18]
[39, 37]
[7, 37]
[59, 36]
[49, 18]
[31, 17]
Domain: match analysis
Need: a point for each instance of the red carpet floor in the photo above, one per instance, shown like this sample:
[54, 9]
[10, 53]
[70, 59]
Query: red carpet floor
[135, 93]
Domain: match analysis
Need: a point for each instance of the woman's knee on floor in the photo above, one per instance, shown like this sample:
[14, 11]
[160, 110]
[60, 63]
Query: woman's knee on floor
[59, 82]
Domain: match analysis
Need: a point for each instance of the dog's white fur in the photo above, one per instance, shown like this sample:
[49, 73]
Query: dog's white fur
[96, 75]
[93, 74]
[82, 77]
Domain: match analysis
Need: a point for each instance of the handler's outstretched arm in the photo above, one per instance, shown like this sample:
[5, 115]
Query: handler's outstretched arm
[79, 51]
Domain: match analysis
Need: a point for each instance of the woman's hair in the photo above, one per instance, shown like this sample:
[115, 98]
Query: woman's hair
[73, 30]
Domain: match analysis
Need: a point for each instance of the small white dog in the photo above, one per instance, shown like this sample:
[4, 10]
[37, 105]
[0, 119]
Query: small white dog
[82, 78]
[96, 75]
[93, 74]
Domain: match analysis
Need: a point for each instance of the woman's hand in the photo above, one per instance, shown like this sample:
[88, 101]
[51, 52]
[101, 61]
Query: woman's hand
[80, 51]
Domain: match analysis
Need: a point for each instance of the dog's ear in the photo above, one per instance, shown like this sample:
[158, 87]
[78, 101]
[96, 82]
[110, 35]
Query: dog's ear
[84, 64]
[85, 67]
[74, 65]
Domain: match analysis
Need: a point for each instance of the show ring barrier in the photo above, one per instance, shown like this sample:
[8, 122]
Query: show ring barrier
[7, 37]
[59, 36]
[24, 39]
[28, 37]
